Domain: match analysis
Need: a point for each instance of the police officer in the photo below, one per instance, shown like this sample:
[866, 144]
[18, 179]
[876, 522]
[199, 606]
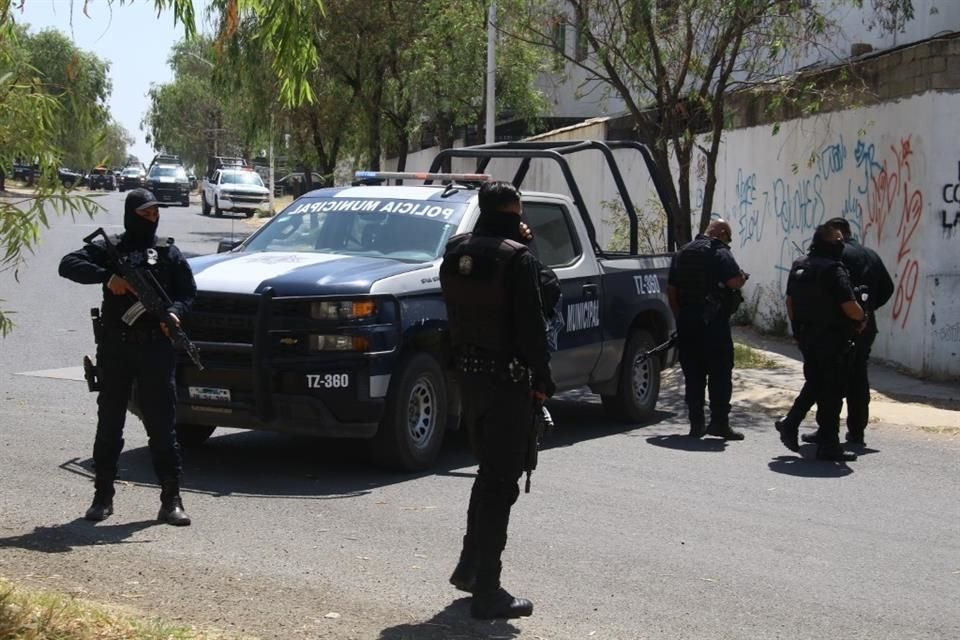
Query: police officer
[135, 349]
[498, 338]
[825, 314]
[703, 280]
[867, 273]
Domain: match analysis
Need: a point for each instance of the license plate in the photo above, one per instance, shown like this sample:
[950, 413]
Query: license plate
[328, 380]
[210, 393]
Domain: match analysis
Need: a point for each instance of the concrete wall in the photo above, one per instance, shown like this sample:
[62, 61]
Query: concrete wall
[893, 170]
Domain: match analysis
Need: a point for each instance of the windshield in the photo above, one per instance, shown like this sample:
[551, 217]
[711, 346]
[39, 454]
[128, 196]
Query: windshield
[131, 172]
[168, 172]
[406, 230]
[241, 177]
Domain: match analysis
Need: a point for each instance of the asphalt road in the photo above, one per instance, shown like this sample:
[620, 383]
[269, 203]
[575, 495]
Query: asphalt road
[629, 532]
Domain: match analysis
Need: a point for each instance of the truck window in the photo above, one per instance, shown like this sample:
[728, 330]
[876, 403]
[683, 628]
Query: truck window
[554, 240]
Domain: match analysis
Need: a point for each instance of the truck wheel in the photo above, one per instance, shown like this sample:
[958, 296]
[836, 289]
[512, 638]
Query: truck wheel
[193, 435]
[204, 205]
[639, 384]
[415, 418]
[217, 211]
[185, 202]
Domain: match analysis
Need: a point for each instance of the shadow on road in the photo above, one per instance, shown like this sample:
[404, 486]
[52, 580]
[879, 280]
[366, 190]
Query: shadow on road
[684, 442]
[62, 538]
[452, 623]
[809, 467]
[262, 464]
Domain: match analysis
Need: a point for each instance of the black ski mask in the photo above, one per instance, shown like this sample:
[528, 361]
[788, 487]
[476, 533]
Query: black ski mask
[832, 249]
[140, 232]
[500, 223]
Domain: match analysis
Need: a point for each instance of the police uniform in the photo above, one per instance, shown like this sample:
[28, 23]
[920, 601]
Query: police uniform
[497, 334]
[818, 286]
[865, 269]
[698, 273]
[132, 350]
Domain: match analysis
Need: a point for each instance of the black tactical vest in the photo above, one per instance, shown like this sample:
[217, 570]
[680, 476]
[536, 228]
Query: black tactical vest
[478, 294]
[156, 260]
[693, 277]
[812, 303]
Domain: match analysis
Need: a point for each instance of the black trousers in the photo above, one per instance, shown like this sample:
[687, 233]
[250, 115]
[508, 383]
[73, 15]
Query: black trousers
[706, 358]
[151, 364]
[857, 392]
[499, 416]
[827, 360]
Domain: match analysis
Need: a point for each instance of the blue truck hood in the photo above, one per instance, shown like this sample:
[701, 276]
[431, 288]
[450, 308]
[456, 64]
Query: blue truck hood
[294, 274]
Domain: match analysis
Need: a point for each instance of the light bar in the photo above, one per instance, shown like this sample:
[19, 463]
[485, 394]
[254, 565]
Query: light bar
[414, 175]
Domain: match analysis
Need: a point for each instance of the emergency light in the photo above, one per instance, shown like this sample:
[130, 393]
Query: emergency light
[415, 175]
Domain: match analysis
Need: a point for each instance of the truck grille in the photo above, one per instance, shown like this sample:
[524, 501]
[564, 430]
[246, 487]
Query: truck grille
[222, 318]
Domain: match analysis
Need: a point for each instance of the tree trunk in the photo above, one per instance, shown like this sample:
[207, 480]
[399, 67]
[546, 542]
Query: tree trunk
[3, 180]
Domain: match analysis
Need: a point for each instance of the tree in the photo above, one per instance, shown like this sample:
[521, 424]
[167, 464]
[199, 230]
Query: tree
[29, 131]
[675, 62]
[79, 81]
[115, 142]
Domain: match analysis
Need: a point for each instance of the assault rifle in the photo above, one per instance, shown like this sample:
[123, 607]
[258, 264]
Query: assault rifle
[660, 348]
[150, 294]
[542, 424]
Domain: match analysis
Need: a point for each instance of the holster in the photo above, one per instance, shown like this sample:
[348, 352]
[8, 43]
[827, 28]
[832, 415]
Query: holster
[91, 373]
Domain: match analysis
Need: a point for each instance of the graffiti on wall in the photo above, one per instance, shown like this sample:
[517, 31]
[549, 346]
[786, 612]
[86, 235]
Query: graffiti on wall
[877, 196]
[950, 214]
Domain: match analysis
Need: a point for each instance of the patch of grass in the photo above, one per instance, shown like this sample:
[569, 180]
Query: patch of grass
[744, 357]
[27, 614]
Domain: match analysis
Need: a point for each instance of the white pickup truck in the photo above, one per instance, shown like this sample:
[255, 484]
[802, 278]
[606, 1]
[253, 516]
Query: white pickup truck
[238, 189]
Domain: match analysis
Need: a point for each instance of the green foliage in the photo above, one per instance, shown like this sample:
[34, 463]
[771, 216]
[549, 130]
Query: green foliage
[31, 128]
[746, 357]
[674, 64]
[651, 226]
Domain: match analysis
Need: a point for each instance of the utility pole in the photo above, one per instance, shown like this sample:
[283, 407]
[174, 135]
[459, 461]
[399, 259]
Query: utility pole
[491, 73]
[270, 175]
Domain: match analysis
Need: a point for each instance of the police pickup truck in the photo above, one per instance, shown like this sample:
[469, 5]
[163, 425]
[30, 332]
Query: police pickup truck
[329, 319]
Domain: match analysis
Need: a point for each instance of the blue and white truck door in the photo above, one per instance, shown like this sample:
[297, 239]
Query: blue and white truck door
[559, 242]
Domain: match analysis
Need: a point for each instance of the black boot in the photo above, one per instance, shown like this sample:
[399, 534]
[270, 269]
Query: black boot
[101, 509]
[724, 431]
[788, 434]
[103, 492]
[811, 438]
[171, 507]
[491, 601]
[464, 576]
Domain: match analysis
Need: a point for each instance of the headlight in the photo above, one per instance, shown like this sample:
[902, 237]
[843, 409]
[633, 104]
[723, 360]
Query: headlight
[339, 343]
[342, 309]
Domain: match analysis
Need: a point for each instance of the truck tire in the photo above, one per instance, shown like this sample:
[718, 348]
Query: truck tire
[639, 384]
[415, 418]
[204, 205]
[193, 435]
[185, 202]
[217, 211]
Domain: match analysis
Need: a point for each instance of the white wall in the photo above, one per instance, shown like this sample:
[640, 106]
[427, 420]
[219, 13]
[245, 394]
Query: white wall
[889, 169]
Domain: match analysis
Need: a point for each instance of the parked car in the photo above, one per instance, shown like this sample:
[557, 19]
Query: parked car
[101, 178]
[295, 185]
[193, 181]
[68, 178]
[131, 178]
[233, 190]
[169, 183]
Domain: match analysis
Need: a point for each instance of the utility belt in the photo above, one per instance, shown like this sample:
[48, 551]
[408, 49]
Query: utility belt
[510, 370]
[141, 336]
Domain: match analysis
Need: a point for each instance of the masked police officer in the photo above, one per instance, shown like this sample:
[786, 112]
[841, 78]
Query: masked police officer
[135, 349]
[704, 279]
[869, 275]
[491, 288]
[825, 314]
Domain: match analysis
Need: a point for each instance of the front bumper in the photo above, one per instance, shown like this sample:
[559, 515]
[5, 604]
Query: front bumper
[234, 202]
[171, 192]
[258, 373]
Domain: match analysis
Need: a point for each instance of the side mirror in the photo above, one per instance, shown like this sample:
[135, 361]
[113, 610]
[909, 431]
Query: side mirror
[228, 244]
